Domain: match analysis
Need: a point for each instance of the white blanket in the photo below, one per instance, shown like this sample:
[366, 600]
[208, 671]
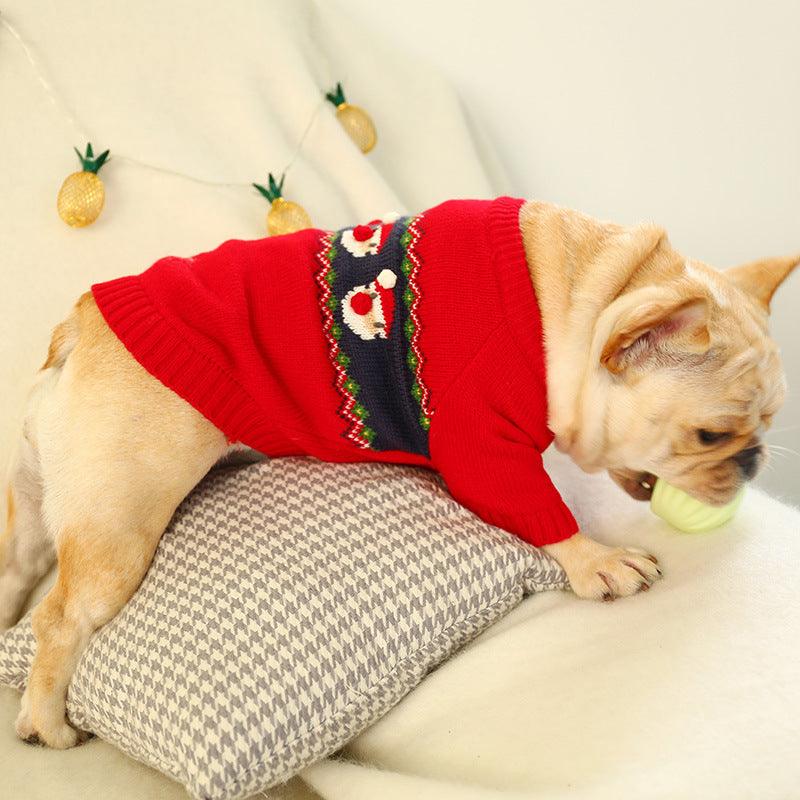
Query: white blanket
[690, 690]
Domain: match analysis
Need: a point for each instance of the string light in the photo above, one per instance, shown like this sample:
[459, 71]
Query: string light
[82, 134]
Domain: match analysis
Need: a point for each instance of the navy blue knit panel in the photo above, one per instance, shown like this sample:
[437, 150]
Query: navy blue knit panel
[378, 363]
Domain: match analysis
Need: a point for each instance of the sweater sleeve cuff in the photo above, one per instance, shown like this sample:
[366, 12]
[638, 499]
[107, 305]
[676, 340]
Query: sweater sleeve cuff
[550, 522]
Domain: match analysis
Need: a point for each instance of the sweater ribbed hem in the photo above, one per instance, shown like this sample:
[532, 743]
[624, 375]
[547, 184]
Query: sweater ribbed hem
[166, 354]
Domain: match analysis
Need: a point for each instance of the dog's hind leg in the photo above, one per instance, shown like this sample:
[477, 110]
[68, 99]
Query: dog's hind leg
[118, 452]
[101, 562]
[26, 547]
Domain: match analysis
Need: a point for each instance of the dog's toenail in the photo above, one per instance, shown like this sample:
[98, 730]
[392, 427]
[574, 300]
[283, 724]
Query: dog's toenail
[644, 587]
[653, 559]
[608, 597]
[634, 568]
[33, 739]
[607, 581]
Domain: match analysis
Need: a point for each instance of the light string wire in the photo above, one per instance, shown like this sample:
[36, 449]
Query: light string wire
[80, 130]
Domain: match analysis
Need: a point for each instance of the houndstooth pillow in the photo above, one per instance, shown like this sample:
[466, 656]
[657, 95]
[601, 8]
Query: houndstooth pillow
[290, 604]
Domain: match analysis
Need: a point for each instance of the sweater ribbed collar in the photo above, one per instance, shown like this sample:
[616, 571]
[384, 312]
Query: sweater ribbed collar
[514, 281]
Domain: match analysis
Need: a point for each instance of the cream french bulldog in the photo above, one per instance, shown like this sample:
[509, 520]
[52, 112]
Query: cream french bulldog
[656, 365]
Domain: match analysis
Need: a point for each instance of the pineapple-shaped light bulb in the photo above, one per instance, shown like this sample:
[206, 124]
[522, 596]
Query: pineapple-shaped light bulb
[356, 122]
[283, 216]
[81, 197]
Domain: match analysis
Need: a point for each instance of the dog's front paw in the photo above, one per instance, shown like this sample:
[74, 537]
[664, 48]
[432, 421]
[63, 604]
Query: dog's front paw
[617, 572]
[59, 735]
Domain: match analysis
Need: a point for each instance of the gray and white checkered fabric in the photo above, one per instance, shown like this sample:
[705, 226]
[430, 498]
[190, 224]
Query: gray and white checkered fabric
[290, 604]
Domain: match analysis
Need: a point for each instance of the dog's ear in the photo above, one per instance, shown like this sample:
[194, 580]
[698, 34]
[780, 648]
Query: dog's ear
[760, 279]
[650, 325]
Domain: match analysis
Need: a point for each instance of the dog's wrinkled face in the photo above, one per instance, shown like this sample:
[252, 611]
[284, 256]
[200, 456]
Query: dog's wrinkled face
[695, 381]
[657, 365]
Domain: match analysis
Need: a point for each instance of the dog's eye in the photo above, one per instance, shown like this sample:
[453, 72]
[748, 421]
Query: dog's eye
[712, 437]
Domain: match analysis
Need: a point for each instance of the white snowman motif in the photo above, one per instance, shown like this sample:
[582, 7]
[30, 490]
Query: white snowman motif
[366, 240]
[369, 310]
[362, 240]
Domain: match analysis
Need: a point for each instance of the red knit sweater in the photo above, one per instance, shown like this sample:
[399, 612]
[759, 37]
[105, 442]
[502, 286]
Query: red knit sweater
[417, 341]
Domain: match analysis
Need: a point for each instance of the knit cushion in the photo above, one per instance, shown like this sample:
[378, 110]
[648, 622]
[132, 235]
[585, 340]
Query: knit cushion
[289, 605]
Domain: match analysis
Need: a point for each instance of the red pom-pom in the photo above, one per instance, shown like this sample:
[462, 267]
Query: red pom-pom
[361, 303]
[362, 233]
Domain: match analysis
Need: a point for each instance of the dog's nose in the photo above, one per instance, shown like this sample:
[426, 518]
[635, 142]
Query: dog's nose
[747, 460]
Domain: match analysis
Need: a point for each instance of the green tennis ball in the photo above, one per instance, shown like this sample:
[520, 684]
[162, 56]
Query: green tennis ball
[687, 514]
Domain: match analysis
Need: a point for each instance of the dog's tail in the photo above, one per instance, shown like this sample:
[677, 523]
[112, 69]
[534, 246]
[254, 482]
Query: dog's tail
[65, 337]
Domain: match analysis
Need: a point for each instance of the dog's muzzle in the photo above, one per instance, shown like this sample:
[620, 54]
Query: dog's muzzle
[748, 461]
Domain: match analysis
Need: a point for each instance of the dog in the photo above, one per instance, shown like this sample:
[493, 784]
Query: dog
[656, 365]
